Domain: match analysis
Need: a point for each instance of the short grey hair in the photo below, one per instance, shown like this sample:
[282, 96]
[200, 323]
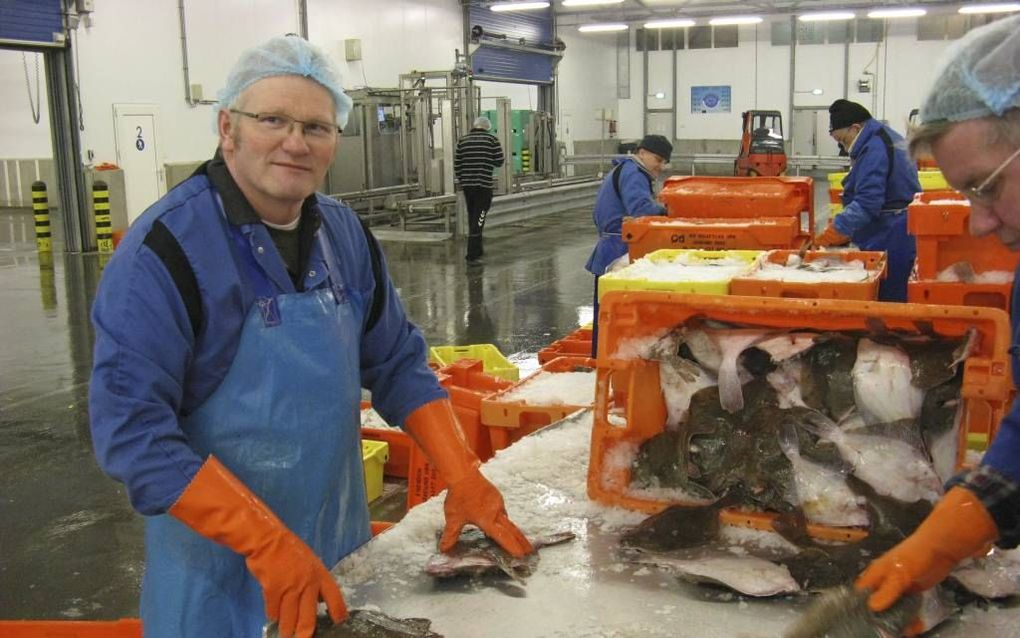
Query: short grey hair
[483, 123]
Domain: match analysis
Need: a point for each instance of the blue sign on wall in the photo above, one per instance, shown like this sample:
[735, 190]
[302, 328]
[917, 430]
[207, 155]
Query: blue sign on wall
[710, 99]
[35, 21]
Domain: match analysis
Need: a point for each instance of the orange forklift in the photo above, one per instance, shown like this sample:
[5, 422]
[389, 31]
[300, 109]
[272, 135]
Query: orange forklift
[762, 151]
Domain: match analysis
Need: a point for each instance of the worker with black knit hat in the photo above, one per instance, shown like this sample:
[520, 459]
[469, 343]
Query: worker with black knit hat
[881, 183]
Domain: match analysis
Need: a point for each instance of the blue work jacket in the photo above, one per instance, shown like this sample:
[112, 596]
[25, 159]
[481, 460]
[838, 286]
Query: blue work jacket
[635, 198]
[872, 188]
[152, 367]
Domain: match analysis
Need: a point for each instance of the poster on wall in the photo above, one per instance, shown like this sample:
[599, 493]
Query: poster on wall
[710, 99]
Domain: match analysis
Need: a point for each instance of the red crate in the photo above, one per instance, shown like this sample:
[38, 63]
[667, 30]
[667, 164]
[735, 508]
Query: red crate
[874, 263]
[647, 234]
[955, 293]
[123, 628]
[507, 420]
[634, 383]
[743, 198]
[943, 238]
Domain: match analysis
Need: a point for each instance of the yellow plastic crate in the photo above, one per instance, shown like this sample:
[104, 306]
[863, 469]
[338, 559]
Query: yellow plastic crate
[932, 180]
[493, 361]
[836, 180]
[624, 280]
[374, 455]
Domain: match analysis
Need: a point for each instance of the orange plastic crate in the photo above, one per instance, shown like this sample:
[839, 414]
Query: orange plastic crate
[835, 195]
[955, 293]
[647, 234]
[634, 383]
[507, 420]
[943, 238]
[400, 443]
[566, 347]
[124, 628]
[742, 197]
[874, 263]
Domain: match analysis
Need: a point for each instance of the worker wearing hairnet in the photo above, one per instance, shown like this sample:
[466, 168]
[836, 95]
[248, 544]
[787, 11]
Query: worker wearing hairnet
[970, 120]
[235, 327]
[627, 190]
[881, 183]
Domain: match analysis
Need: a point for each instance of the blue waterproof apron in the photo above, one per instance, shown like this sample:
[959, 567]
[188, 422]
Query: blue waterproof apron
[285, 421]
[889, 233]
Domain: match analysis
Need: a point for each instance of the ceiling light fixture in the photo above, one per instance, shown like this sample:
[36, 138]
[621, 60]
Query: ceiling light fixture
[518, 6]
[728, 20]
[669, 24]
[588, 3]
[908, 12]
[601, 28]
[827, 16]
[991, 8]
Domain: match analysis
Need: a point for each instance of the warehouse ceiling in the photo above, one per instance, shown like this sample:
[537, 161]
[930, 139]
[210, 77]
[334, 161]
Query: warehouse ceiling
[637, 10]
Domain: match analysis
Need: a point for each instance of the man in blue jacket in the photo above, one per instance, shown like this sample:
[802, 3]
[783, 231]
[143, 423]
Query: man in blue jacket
[626, 191]
[970, 121]
[881, 183]
[235, 327]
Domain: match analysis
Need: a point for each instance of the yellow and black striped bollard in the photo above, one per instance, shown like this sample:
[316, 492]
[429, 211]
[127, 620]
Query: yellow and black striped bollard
[101, 207]
[41, 210]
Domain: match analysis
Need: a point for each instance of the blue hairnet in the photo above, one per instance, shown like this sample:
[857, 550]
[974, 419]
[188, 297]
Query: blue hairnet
[288, 55]
[979, 76]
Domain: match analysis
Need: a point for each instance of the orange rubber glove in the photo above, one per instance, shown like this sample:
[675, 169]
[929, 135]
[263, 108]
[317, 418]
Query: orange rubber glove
[470, 498]
[959, 527]
[830, 237]
[219, 507]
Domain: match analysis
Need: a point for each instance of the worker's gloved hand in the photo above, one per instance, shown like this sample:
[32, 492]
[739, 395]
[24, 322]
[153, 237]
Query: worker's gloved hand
[219, 507]
[958, 527]
[830, 237]
[473, 499]
[470, 498]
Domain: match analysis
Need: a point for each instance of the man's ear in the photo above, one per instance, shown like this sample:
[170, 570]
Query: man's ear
[225, 128]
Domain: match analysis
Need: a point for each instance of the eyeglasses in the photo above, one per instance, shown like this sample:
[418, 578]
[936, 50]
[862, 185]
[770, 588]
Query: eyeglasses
[984, 193]
[278, 123]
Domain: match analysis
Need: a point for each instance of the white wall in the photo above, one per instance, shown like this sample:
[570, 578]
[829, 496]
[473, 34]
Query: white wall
[759, 76]
[20, 136]
[587, 85]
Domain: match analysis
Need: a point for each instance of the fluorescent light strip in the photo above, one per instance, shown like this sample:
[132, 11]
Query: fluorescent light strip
[825, 17]
[728, 20]
[669, 24]
[897, 13]
[991, 8]
[588, 3]
[518, 6]
[599, 28]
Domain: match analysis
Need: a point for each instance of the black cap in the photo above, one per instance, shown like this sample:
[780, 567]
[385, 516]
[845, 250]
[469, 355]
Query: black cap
[843, 113]
[657, 144]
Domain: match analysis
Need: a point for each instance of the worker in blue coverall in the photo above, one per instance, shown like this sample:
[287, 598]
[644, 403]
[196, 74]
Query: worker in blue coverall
[970, 121]
[235, 327]
[881, 183]
[627, 191]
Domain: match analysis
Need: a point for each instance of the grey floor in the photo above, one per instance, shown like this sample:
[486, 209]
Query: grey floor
[70, 545]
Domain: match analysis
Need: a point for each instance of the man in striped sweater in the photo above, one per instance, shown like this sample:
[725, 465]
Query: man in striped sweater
[478, 154]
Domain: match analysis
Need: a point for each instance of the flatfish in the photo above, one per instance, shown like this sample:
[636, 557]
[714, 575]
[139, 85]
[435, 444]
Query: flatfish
[475, 554]
[366, 623]
[843, 613]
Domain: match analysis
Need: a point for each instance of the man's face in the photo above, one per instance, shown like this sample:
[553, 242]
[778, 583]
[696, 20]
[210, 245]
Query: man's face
[278, 169]
[846, 135]
[654, 163]
[966, 161]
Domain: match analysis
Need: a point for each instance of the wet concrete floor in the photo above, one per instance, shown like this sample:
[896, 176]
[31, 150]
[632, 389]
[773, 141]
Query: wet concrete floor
[70, 544]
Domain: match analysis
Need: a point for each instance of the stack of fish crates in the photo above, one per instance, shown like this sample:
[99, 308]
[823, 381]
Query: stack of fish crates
[953, 267]
[575, 344]
[633, 407]
[726, 213]
[931, 180]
